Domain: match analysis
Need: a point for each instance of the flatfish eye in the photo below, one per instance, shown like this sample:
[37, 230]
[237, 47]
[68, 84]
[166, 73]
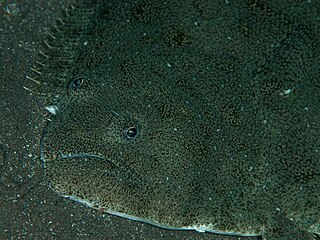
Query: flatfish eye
[130, 133]
[76, 83]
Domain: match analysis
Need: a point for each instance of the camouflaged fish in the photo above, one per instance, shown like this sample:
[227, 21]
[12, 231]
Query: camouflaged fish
[187, 114]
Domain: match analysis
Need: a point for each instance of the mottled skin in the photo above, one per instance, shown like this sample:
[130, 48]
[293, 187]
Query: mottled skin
[188, 114]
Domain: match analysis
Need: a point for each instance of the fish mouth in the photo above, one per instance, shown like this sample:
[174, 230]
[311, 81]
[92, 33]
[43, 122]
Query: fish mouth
[47, 155]
[47, 158]
[80, 155]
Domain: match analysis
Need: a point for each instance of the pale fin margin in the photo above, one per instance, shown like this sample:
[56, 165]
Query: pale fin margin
[198, 227]
[51, 72]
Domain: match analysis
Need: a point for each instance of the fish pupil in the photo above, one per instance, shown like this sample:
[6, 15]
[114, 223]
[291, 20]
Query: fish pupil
[131, 132]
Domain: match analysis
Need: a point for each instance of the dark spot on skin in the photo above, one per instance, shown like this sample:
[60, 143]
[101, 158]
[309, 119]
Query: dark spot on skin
[175, 37]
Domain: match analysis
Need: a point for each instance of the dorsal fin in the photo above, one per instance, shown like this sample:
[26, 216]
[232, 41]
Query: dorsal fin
[51, 72]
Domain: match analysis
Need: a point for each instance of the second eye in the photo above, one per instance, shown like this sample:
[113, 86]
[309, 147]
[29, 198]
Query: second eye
[76, 83]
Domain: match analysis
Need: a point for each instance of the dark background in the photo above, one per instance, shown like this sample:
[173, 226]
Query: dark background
[29, 209]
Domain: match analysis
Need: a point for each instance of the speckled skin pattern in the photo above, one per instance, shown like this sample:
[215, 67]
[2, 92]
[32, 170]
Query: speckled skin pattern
[187, 114]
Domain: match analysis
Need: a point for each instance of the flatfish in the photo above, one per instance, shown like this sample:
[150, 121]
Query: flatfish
[187, 114]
